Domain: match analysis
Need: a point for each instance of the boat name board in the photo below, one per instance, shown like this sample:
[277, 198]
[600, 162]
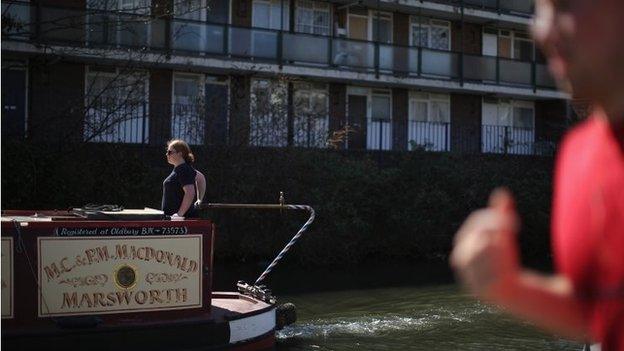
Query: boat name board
[121, 231]
[7, 277]
[104, 274]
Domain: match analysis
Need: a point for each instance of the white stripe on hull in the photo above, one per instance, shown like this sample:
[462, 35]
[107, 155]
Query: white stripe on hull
[251, 327]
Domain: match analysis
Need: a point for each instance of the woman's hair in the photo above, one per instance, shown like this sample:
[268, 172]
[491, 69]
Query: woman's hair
[181, 146]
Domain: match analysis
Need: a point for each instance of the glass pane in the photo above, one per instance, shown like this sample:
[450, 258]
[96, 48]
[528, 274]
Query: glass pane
[440, 38]
[523, 50]
[504, 47]
[523, 117]
[358, 28]
[381, 107]
[420, 36]
[261, 14]
[188, 9]
[504, 115]
[440, 112]
[304, 20]
[385, 30]
[277, 16]
[419, 111]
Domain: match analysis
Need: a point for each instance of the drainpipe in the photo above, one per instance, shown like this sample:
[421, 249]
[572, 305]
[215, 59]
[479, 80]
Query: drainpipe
[377, 44]
[461, 48]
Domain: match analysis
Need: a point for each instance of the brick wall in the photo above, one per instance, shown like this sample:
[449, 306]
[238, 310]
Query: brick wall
[472, 38]
[401, 32]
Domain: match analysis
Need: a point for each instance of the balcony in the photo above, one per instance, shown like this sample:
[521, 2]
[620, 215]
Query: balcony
[523, 8]
[116, 30]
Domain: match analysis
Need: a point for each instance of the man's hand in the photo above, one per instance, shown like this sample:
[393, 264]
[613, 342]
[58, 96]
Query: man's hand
[485, 253]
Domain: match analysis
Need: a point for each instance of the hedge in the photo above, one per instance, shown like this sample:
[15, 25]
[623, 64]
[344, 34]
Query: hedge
[371, 207]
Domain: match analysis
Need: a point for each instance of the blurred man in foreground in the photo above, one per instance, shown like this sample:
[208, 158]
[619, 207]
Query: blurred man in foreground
[583, 42]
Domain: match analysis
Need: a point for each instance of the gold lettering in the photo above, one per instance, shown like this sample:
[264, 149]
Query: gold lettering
[169, 256]
[98, 298]
[155, 296]
[102, 253]
[51, 271]
[184, 261]
[90, 255]
[149, 254]
[64, 268]
[181, 295]
[71, 301]
[159, 256]
[140, 297]
[192, 267]
[123, 296]
[133, 252]
[111, 299]
[141, 253]
[122, 251]
[85, 298]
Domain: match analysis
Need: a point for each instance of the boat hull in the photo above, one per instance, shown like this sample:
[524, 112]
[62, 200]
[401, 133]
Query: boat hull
[72, 283]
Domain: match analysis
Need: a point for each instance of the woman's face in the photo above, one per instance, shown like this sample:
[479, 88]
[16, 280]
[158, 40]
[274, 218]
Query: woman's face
[173, 156]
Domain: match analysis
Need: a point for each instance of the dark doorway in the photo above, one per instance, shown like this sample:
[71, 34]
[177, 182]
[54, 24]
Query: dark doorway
[357, 120]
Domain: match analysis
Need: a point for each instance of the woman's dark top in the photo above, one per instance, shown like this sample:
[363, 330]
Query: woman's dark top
[173, 193]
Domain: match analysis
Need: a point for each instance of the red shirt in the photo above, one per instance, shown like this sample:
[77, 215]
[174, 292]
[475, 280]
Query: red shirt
[588, 225]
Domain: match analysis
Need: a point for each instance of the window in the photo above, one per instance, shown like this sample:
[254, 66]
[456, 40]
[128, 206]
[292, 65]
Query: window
[508, 44]
[188, 119]
[189, 33]
[311, 106]
[127, 23]
[429, 121]
[510, 113]
[269, 113]
[312, 17]
[116, 105]
[381, 107]
[426, 107]
[268, 14]
[379, 131]
[384, 25]
[508, 126]
[430, 33]
[523, 47]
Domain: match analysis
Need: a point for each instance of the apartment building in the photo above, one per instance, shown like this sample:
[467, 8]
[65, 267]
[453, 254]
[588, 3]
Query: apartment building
[456, 75]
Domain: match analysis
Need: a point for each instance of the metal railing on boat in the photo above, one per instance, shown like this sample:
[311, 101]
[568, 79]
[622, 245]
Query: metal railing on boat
[280, 206]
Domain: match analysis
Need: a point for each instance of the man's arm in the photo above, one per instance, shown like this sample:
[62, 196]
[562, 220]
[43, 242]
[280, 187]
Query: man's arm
[485, 258]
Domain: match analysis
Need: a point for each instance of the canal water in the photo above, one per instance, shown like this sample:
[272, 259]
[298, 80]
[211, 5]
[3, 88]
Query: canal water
[406, 307]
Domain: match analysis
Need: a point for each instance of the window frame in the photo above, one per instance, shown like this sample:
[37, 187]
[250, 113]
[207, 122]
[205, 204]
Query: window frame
[429, 23]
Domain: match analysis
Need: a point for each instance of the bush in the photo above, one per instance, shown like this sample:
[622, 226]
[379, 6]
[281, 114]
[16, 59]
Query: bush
[370, 207]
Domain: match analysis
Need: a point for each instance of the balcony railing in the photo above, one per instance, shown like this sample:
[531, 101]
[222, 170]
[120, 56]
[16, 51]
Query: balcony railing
[515, 7]
[114, 29]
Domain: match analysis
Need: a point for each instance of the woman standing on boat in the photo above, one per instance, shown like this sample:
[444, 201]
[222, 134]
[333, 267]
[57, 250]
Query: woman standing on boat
[179, 187]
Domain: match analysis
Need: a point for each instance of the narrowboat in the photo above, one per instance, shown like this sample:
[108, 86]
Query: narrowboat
[120, 279]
